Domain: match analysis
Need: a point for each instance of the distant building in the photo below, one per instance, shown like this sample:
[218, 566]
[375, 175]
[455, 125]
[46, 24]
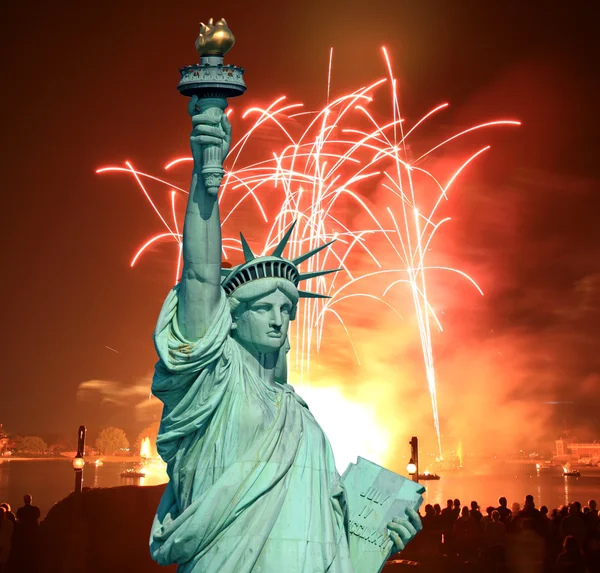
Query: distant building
[562, 448]
[577, 451]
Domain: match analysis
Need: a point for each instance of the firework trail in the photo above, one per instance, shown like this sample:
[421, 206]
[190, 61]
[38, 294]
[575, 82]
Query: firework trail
[324, 175]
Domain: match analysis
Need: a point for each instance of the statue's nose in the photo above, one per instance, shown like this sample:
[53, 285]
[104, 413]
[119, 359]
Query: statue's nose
[275, 319]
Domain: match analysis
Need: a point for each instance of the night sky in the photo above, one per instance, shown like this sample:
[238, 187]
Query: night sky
[87, 85]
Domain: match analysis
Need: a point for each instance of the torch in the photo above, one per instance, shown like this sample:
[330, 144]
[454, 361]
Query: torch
[213, 83]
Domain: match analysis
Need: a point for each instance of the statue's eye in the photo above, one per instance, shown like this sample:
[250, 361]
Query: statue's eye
[286, 309]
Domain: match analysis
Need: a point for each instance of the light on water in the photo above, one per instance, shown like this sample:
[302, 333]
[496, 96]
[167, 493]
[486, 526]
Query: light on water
[48, 481]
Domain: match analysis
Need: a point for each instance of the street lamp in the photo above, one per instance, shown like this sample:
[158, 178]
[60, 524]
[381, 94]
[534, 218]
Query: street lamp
[78, 461]
[414, 459]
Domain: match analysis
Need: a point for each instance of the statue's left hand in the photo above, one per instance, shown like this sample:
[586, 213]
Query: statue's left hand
[403, 529]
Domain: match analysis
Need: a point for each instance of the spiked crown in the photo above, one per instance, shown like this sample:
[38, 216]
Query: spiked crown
[272, 266]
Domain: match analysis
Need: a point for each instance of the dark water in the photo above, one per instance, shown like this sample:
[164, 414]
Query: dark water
[48, 481]
[514, 481]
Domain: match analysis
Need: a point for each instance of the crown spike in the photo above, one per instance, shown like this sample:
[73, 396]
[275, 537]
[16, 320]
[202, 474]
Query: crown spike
[304, 294]
[306, 276]
[308, 255]
[283, 243]
[248, 254]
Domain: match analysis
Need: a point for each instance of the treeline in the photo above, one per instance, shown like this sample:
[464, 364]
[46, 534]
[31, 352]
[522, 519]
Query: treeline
[110, 441]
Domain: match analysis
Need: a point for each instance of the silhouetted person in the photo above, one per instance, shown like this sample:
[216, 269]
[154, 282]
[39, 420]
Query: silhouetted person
[591, 521]
[466, 533]
[429, 519]
[6, 534]
[544, 522]
[9, 514]
[28, 515]
[475, 513]
[438, 520]
[502, 509]
[447, 521]
[447, 511]
[427, 542]
[495, 531]
[487, 518]
[494, 539]
[456, 508]
[512, 522]
[554, 540]
[529, 511]
[573, 524]
[26, 542]
[571, 559]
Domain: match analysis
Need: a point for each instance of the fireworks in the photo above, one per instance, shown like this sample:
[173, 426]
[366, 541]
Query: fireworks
[341, 174]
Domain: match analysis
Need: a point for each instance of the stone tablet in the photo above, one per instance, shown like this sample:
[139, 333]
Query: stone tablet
[375, 496]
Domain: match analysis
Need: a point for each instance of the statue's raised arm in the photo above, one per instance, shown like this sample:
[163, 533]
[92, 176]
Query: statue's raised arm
[209, 85]
[200, 282]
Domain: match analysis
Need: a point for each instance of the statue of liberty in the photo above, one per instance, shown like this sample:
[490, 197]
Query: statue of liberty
[253, 484]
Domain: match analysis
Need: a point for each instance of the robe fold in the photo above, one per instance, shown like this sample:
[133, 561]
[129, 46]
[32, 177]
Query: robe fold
[253, 485]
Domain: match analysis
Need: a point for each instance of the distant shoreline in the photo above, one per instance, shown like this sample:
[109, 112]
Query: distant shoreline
[16, 459]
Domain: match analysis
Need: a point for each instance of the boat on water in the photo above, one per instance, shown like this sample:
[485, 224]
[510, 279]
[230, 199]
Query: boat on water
[571, 473]
[542, 466]
[98, 463]
[427, 476]
[133, 473]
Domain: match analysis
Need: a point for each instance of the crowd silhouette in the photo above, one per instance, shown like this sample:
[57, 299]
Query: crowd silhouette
[506, 540]
[457, 538]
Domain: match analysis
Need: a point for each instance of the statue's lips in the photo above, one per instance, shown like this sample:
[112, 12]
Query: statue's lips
[274, 334]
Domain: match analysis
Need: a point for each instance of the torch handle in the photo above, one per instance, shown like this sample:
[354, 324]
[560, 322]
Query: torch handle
[212, 155]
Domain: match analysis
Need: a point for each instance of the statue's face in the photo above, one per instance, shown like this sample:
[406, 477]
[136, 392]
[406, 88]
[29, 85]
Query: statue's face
[263, 324]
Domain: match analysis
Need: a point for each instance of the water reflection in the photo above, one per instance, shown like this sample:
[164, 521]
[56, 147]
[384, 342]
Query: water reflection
[51, 480]
[514, 481]
[95, 482]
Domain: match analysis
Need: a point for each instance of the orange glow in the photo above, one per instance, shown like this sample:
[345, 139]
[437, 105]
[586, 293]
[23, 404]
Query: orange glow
[145, 450]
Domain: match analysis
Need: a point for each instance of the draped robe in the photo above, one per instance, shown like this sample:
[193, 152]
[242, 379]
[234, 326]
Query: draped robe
[253, 485]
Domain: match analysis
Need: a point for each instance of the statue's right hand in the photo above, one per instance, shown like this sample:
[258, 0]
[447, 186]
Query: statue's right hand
[209, 128]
